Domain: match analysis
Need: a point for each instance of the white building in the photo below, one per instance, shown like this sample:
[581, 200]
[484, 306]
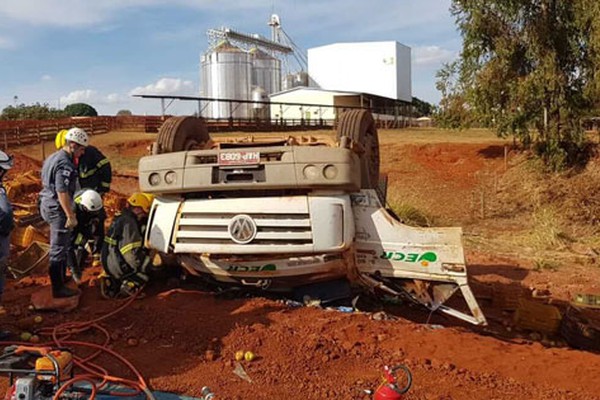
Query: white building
[309, 103]
[312, 105]
[378, 68]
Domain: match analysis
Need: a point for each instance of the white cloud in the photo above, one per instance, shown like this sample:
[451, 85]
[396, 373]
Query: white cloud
[113, 98]
[432, 55]
[91, 97]
[46, 78]
[166, 86]
[78, 96]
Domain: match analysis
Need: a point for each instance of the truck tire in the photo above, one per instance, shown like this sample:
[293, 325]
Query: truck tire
[359, 127]
[182, 133]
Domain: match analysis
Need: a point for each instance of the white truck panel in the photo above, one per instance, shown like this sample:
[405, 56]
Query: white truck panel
[161, 222]
[390, 247]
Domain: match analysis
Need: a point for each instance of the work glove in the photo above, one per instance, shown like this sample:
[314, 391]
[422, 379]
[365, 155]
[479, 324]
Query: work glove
[71, 222]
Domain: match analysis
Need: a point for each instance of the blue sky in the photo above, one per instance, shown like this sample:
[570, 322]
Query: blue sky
[102, 51]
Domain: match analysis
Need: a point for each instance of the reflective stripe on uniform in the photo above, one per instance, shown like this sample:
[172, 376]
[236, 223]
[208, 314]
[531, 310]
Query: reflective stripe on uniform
[88, 173]
[102, 162]
[110, 241]
[128, 247]
[105, 184]
[79, 239]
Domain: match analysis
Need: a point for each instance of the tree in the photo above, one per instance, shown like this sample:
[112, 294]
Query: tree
[421, 108]
[528, 68]
[124, 113]
[80, 110]
[34, 111]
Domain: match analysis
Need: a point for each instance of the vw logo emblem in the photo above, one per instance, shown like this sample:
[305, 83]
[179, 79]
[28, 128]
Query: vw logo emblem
[242, 229]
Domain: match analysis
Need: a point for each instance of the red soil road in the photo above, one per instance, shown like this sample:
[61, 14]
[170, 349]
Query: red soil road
[187, 341]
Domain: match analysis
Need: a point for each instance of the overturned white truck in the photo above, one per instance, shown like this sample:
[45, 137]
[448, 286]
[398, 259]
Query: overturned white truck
[283, 214]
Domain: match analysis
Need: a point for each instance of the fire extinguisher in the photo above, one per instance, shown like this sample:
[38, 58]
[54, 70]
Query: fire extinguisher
[389, 390]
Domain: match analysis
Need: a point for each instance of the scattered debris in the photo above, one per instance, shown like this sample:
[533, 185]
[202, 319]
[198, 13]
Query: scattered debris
[535, 316]
[587, 300]
[24, 236]
[581, 328]
[241, 372]
[506, 297]
[35, 255]
[26, 183]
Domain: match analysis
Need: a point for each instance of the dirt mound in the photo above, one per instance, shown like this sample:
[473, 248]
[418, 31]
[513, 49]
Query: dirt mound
[442, 179]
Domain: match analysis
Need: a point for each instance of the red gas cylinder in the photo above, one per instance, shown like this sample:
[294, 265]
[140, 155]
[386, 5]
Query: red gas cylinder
[390, 389]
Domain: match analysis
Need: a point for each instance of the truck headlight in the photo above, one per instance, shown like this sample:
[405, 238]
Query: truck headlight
[330, 171]
[310, 172]
[170, 177]
[154, 179]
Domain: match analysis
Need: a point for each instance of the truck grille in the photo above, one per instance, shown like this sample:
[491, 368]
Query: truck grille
[203, 227]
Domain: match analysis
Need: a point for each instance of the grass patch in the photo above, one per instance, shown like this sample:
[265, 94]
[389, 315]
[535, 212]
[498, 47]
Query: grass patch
[412, 216]
[438, 135]
[542, 264]
[547, 232]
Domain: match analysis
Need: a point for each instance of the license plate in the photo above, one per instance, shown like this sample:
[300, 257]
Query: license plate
[239, 158]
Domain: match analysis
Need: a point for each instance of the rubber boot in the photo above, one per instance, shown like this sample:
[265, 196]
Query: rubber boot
[59, 290]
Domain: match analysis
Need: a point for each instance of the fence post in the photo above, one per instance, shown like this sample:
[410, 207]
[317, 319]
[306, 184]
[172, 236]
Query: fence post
[5, 141]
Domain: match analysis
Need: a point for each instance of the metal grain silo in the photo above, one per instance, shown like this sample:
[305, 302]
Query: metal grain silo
[298, 79]
[266, 71]
[226, 74]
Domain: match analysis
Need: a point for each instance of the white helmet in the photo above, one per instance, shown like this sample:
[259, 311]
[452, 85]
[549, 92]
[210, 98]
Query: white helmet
[89, 200]
[78, 136]
[6, 161]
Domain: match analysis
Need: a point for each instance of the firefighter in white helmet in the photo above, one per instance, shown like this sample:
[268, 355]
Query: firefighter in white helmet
[59, 177]
[88, 210]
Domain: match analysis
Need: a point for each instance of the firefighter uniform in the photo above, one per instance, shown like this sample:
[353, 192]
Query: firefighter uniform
[88, 210]
[58, 175]
[95, 173]
[94, 170]
[123, 255]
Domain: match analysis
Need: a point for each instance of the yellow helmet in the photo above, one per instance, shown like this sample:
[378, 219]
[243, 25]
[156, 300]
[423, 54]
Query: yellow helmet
[60, 139]
[143, 200]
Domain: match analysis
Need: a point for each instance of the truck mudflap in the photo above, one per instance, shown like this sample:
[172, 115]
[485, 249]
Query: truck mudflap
[426, 265]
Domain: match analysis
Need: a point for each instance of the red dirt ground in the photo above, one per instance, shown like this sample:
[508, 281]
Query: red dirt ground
[188, 340]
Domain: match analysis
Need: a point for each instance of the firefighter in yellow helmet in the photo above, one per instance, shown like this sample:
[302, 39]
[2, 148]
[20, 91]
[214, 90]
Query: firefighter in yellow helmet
[93, 167]
[93, 172]
[124, 257]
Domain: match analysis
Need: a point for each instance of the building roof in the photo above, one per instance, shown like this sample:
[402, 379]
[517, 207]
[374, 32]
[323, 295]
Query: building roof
[316, 89]
[338, 92]
[358, 43]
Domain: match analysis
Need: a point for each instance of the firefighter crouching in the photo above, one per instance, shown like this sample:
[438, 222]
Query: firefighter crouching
[124, 257]
[89, 210]
[94, 172]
